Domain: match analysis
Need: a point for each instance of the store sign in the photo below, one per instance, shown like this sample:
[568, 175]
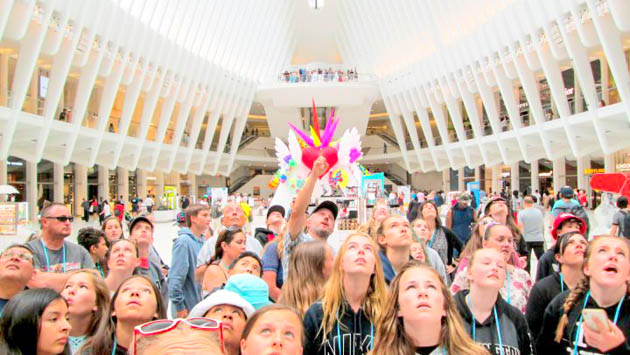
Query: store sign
[8, 218]
[594, 171]
[623, 167]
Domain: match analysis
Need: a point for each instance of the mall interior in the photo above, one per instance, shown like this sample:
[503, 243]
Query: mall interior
[103, 98]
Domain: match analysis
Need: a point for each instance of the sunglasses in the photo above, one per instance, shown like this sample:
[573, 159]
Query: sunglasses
[21, 256]
[62, 218]
[165, 325]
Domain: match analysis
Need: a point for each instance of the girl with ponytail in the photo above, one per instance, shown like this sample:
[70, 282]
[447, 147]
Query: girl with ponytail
[604, 286]
[420, 317]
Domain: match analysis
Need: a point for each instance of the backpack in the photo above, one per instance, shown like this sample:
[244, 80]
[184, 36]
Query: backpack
[625, 225]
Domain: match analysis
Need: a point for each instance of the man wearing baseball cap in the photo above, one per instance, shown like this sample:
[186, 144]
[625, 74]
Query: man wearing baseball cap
[274, 222]
[564, 223]
[320, 223]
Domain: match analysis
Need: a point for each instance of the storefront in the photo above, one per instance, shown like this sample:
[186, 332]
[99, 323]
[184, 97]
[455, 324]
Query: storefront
[16, 176]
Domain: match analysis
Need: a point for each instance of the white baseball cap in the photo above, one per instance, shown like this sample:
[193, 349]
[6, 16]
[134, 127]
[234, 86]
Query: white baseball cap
[222, 297]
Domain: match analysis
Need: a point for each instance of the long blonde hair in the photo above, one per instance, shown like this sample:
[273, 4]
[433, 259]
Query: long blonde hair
[306, 279]
[583, 285]
[391, 336]
[101, 297]
[334, 294]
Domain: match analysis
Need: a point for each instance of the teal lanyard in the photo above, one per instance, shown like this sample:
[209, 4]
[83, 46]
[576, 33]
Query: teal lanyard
[496, 321]
[339, 335]
[432, 238]
[98, 266]
[507, 280]
[579, 329]
[63, 248]
[115, 346]
[561, 282]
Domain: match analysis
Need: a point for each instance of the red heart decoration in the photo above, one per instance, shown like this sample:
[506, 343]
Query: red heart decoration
[310, 154]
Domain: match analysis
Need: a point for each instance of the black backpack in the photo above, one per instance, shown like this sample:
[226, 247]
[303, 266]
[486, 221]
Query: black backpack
[625, 224]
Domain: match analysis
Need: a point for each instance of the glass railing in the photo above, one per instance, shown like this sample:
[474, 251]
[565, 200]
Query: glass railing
[325, 77]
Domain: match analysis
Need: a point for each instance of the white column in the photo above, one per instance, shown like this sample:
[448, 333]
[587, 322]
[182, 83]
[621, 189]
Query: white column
[534, 175]
[559, 174]
[141, 183]
[193, 186]
[497, 178]
[159, 185]
[461, 186]
[33, 91]
[80, 188]
[582, 164]
[58, 183]
[31, 189]
[604, 76]
[123, 184]
[609, 163]
[3, 178]
[103, 182]
[4, 79]
[446, 180]
[515, 177]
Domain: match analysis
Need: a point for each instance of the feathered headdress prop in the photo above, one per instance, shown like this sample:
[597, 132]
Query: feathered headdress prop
[296, 160]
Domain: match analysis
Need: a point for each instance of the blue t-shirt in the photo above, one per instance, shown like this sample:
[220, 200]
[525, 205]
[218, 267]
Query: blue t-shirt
[564, 206]
[271, 262]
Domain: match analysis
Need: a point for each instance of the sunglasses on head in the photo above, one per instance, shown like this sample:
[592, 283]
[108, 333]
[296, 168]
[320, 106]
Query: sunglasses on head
[62, 218]
[165, 325]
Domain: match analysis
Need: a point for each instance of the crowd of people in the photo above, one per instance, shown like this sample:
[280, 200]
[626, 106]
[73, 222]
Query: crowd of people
[400, 284]
[319, 75]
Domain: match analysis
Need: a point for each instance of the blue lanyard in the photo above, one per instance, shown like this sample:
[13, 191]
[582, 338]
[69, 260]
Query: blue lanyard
[432, 238]
[98, 266]
[339, 335]
[496, 321]
[507, 280]
[115, 346]
[579, 329]
[63, 248]
[561, 282]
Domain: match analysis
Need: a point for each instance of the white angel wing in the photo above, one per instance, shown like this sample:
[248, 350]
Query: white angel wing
[281, 152]
[294, 148]
[350, 139]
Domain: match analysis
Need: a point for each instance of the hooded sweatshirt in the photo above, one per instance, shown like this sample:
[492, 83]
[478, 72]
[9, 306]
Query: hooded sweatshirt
[512, 325]
[185, 292]
[546, 344]
[354, 335]
[540, 296]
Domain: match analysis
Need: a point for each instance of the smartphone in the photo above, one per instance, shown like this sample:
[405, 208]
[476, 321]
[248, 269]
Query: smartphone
[589, 314]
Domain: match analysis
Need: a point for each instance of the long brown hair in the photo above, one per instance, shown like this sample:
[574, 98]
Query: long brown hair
[306, 279]
[102, 341]
[583, 285]
[391, 336]
[371, 226]
[334, 294]
[102, 298]
[438, 221]
[226, 236]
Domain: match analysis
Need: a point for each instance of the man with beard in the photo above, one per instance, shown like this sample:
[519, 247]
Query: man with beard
[320, 224]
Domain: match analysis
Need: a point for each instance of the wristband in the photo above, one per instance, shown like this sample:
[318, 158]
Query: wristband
[144, 263]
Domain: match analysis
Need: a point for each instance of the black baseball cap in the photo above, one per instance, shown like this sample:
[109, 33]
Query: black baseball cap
[137, 220]
[275, 208]
[329, 205]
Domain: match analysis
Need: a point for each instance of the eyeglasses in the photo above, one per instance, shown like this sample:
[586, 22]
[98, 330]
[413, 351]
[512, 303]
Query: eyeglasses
[165, 325]
[233, 229]
[62, 219]
[21, 256]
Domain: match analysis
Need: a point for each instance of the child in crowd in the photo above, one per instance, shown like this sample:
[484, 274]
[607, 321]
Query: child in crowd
[420, 317]
[87, 297]
[604, 287]
[351, 305]
[492, 322]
